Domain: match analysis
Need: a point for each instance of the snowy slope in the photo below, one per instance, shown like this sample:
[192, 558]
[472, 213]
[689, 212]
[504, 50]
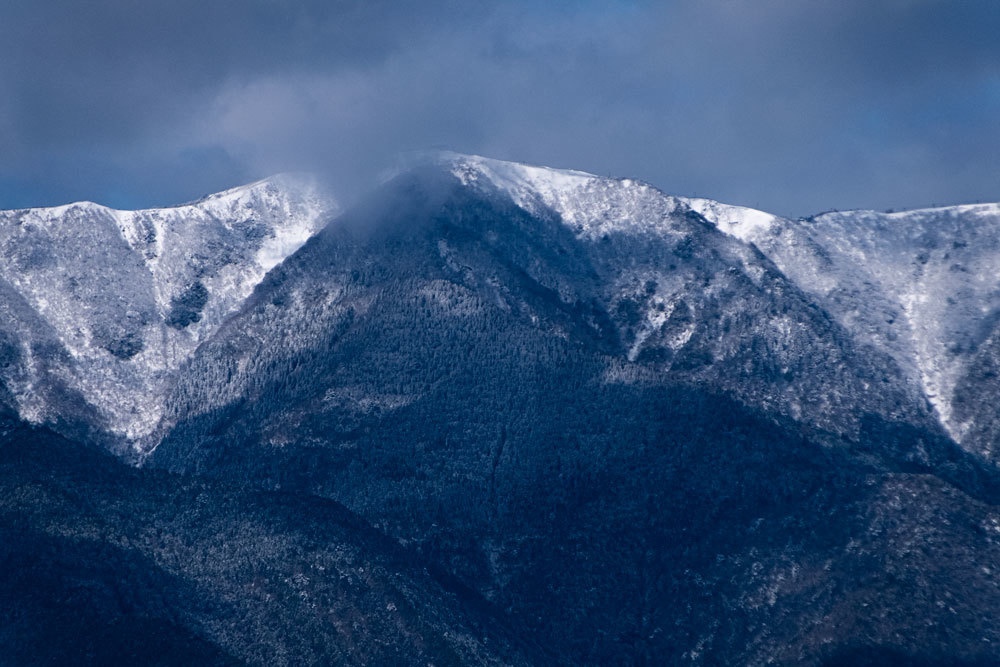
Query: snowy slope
[924, 285]
[745, 224]
[921, 286]
[128, 295]
[590, 205]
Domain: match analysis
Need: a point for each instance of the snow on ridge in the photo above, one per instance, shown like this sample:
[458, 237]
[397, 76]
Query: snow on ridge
[982, 208]
[239, 192]
[739, 221]
[527, 185]
[129, 294]
[280, 184]
[917, 283]
[598, 204]
[589, 204]
[517, 176]
[53, 212]
[913, 283]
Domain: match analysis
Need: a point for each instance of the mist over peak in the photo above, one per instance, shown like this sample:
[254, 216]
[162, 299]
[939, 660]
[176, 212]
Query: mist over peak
[773, 105]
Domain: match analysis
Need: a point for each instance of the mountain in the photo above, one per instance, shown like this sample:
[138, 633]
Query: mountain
[585, 415]
[101, 307]
[635, 276]
[919, 285]
[629, 430]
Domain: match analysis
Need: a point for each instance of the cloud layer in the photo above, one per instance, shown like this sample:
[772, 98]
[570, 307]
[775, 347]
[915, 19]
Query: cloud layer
[792, 106]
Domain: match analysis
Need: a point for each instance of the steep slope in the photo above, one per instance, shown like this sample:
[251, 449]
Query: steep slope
[105, 305]
[627, 429]
[103, 564]
[921, 285]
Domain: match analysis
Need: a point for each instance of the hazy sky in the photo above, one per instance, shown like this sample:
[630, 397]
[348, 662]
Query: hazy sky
[791, 105]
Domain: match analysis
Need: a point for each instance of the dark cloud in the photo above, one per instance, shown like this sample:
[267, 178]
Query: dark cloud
[793, 106]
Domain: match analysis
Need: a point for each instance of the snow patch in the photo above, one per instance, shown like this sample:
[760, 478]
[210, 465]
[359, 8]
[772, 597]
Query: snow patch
[745, 224]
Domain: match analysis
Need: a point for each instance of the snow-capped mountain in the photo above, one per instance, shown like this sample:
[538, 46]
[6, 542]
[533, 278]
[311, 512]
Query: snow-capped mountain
[580, 399]
[102, 306]
[923, 285]
[663, 294]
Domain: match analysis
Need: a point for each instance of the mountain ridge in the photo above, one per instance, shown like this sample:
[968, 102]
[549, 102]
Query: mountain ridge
[914, 283]
[128, 294]
[589, 204]
[621, 427]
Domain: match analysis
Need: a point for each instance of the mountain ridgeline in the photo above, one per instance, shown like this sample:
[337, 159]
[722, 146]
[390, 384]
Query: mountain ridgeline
[579, 420]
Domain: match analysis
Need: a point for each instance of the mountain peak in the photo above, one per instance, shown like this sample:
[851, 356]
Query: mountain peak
[589, 204]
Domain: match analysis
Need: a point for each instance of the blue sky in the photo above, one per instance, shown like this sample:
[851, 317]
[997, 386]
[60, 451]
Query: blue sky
[792, 106]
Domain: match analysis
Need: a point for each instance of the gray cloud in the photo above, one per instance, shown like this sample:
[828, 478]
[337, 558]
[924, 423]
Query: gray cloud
[793, 106]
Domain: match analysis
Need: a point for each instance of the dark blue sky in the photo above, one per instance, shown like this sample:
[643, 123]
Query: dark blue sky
[791, 105]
